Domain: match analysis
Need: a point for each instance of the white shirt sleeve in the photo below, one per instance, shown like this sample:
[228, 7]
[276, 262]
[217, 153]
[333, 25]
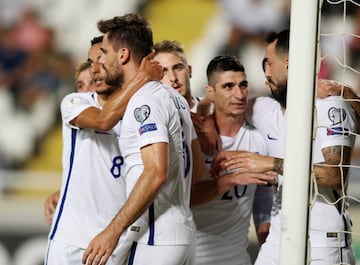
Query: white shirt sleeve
[335, 122]
[150, 119]
[73, 104]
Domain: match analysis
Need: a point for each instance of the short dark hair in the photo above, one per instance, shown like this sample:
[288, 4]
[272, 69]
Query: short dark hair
[223, 63]
[96, 40]
[282, 44]
[131, 31]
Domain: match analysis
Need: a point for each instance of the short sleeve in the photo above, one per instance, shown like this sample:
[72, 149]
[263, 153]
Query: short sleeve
[73, 104]
[335, 122]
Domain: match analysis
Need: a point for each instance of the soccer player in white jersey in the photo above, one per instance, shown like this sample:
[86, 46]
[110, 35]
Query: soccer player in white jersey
[93, 188]
[177, 71]
[177, 74]
[222, 207]
[329, 241]
[157, 141]
[84, 83]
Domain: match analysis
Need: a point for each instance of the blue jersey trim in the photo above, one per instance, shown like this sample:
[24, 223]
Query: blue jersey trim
[151, 224]
[73, 141]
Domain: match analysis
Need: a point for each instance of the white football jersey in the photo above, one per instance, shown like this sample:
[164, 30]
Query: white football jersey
[336, 124]
[269, 119]
[157, 113]
[93, 189]
[335, 121]
[223, 223]
[196, 101]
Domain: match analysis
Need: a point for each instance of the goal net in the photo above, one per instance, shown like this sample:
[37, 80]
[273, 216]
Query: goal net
[333, 27]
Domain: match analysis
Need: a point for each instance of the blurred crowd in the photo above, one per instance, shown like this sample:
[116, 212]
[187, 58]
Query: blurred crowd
[33, 77]
[35, 74]
[251, 20]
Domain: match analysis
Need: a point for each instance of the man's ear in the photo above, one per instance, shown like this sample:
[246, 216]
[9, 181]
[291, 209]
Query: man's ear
[123, 55]
[210, 92]
[190, 71]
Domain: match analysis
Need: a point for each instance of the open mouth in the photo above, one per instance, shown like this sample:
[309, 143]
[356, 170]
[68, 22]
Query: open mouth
[176, 87]
[98, 81]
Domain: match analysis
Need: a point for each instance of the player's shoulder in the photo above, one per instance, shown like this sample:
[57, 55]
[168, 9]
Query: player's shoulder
[266, 102]
[338, 102]
[331, 99]
[150, 91]
[251, 129]
[76, 98]
[254, 134]
[262, 110]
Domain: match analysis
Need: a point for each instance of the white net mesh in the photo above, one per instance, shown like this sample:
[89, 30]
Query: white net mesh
[339, 27]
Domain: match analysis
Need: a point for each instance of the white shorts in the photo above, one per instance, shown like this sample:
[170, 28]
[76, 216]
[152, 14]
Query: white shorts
[325, 256]
[221, 256]
[59, 253]
[143, 254]
[269, 255]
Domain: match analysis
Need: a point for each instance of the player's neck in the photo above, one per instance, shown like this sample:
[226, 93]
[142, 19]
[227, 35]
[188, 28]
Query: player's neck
[189, 100]
[102, 99]
[229, 125]
[130, 71]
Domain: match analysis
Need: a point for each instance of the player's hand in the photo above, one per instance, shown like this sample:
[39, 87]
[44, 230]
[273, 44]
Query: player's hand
[209, 138]
[327, 88]
[50, 206]
[242, 161]
[152, 70]
[239, 178]
[101, 247]
[198, 121]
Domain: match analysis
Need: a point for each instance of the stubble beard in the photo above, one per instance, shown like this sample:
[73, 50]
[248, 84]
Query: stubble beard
[107, 91]
[280, 94]
[115, 79]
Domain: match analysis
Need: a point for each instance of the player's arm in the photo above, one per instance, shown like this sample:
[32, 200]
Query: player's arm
[114, 108]
[208, 134]
[262, 231]
[326, 88]
[333, 171]
[199, 167]
[154, 176]
[50, 206]
[262, 205]
[245, 161]
[206, 190]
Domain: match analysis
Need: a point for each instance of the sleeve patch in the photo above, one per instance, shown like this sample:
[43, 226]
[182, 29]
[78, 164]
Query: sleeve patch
[147, 128]
[337, 131]
[142, 113]
[336, 116]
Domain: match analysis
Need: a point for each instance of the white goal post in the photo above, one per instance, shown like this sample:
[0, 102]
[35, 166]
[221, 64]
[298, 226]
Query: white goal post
[299, 111]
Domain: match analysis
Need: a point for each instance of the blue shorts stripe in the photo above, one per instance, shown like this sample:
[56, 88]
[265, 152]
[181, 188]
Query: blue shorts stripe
[132, 253]
[151, 224]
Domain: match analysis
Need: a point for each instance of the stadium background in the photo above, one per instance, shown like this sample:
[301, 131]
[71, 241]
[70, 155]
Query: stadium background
[203, 28]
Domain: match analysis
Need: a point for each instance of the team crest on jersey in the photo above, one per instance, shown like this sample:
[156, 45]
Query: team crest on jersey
[142, 113]
[336, 116]
[72, 102]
